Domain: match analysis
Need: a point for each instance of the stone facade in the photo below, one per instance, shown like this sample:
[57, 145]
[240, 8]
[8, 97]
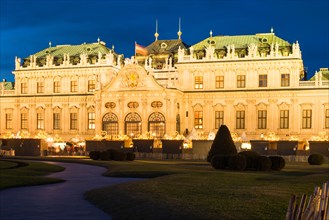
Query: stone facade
[255, 87]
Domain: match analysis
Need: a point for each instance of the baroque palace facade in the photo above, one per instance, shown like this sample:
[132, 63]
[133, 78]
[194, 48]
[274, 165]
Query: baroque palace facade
[252, 83]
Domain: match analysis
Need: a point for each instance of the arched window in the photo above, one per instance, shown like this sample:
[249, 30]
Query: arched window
[110, 124]
[157, 124]
[133, 125]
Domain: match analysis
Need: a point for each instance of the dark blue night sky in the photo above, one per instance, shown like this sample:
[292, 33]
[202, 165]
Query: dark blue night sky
[27, 26]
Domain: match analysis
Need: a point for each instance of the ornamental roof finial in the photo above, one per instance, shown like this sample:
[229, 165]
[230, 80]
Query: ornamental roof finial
[98, 40]
[272, 30]
[210, 33]
[49, 43]
[156, 30]
[179, 33]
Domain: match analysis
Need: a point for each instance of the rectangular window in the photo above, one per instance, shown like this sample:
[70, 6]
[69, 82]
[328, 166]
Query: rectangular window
[74, 86]
[241, 81]
[198, 119]
[91, 120]
[24, 88]
[219, 82]
[240, 119]
[57, 87]
[40, 121]
[326, 124]
[24, 124]
[91, 85]
[198, 82]
[219, 118]
[73, 121]
[285, 80]
[40, 87]
[262, 81]
[262, 119]
[9, 121]
[307, 119]
[284, 119]
[57, 121]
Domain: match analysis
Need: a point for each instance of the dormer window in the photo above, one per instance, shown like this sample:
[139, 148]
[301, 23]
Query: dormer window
[163, 45]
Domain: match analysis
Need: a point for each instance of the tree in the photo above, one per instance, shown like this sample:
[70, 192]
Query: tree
[223, 144]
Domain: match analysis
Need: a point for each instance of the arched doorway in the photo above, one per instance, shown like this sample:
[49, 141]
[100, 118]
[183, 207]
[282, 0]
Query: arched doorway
[157, 124]
[110, 124]
[133, 125]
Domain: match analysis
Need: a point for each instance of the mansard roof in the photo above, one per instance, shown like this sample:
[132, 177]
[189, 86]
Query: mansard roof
[166, 46]
[241, 41]
[73, 50]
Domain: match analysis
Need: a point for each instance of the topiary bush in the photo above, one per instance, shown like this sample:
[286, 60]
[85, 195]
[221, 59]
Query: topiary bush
[315, 159]
[94, 155]
[219, 161]
[119, 156]
[223, 144]
[105, 155]
[263, 163]
[131, 156]
[237, 162]
[278, 162]
[251, 158]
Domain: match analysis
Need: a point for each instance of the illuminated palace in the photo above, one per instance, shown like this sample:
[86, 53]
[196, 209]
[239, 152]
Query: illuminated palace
[252, 83]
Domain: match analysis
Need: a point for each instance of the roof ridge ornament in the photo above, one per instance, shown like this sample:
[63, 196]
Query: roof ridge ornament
[156, 30]
[272, 30]
[49, 43]
[179, 33]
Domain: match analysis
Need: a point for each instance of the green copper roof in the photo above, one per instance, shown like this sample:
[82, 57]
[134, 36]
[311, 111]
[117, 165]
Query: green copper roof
[165, 46]
[324, 74]
[73, 50]
[242, 41]
[9, 85]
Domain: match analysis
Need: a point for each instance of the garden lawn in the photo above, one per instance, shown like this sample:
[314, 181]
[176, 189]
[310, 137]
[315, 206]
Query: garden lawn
[15, 173]
[194, 190]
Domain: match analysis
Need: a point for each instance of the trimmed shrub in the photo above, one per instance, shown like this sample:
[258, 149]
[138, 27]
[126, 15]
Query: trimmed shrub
[131, 156]
[223, 144]
[94, 155]
[219, 161]
[263, 163]
[105, 155]
[278, 162]
[237, 162]
[251, 158]
[315, 159]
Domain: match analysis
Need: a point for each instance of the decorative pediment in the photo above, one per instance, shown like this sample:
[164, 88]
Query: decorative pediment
[218, 106]
[283, 105]
[261, 106]
[197, 107]
[306, 105]
[240, 106]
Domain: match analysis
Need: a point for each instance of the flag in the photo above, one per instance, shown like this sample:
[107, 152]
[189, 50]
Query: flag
[140, 50]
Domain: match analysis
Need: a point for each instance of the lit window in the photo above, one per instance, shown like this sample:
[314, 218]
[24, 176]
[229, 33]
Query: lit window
[57, 87]
[285, 79]
[24, 88]
[262, 81]
[9, 121]
[241, 81]
[40, 121]
[198, 82]
[91, 120]
[284, 119]
[327, 119]
[91, 85]
[24, 122]
[40, 87]
[74, 86]
[219, 82]
[262, 119]
[307, 119]
[240, 119]
[73, 121]
[198, 119]
[57, 121]
[219, 118]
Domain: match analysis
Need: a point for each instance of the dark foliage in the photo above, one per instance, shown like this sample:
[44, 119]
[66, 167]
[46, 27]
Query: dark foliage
[251, 158]
[315, 159]
[219, 161]
[131, 156]
[119, 156]
[278, 162]
[237, 162]
[94, 155]
[223, 144]
[105, 155]
[263, 163]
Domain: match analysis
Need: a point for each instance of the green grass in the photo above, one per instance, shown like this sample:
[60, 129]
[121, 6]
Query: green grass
[194, 190]
[15, 173]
